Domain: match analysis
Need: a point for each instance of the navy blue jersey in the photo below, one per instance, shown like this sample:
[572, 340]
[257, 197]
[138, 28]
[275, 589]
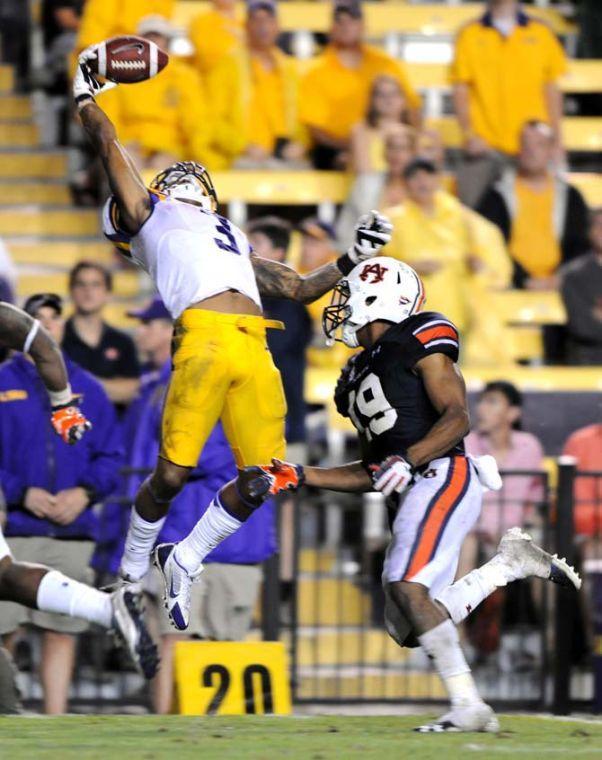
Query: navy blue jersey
[384, 396]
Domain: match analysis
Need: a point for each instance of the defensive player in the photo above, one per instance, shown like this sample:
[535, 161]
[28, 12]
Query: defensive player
[37, 586]
[210, 281]
[406, 397]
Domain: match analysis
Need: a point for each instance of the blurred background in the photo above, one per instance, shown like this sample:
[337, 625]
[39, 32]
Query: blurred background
[477, 127]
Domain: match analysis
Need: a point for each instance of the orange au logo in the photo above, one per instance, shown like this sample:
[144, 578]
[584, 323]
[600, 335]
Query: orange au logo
[376, 270]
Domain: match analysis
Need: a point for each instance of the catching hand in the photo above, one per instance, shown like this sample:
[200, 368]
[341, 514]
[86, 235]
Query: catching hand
[393, 474]
[85, 84]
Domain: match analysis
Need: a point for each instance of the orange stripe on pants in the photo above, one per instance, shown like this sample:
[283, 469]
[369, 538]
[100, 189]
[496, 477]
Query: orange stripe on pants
[431, 529]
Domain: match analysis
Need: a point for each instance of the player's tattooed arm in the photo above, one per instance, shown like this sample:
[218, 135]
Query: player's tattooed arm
[349, 478]
[445, 387]
[19, 331]
[126, 183]
[281, 281]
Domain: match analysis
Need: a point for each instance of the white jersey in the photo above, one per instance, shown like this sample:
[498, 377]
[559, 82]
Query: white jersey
[189, 252]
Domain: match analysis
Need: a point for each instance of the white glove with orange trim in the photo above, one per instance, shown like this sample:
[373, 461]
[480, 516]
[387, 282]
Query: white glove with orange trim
[393, 474]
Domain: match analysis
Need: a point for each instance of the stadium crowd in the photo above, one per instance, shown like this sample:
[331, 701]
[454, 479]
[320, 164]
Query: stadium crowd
[496, 214]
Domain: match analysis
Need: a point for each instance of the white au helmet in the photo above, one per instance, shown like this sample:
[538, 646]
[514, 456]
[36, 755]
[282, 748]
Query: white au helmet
[377, 289]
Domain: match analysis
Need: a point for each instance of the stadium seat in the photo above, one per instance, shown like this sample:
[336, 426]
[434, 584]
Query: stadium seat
[580, 133]
[16, 135]
[582, 76]
[381, 18]
[15, 107]
[590, 186]
[60, 254]
[32, 165]
[27, 221]
[7, 79]
[125, 284]
[53, 193]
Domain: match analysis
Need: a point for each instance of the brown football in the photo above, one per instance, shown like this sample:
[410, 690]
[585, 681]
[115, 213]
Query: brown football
[127, 60]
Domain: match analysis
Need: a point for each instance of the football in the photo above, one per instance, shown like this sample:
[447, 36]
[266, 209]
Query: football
[127, 60]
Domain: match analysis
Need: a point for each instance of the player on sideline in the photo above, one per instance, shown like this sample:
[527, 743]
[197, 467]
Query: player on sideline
[210, 281]
[40, 587]
[406, 397]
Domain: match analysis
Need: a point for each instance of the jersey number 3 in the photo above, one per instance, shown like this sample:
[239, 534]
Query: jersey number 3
[224, 230]
[372, 404]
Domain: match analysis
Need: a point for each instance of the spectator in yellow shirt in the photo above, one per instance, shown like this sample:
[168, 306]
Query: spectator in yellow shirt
[163, 119]
[505, 73]
[109, 18]
[335, 91]
[254, 99]
[215, 34]
[543, 219]
[433, 233]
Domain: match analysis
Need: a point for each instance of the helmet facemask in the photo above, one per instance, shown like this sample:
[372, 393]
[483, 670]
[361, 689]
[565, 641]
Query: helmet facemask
[337, 312]
[189, 182]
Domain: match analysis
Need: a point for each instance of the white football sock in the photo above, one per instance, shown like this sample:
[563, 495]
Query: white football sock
[465, 595]
[442, 645]
[58, 593]
[139, 543]
[215, 525]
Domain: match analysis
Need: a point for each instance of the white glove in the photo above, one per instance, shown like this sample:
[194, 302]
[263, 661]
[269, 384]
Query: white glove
[394, 474]
[487, 471]
[85, 84]
[372, 232]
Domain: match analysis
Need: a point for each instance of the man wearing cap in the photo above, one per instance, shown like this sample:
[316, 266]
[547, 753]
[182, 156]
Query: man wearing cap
[334, 92]
[254, 98]
[167, 119]
[224, 599]
[50, 489]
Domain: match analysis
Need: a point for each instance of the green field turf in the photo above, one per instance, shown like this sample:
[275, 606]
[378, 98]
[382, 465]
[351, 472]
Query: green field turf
[271, 738]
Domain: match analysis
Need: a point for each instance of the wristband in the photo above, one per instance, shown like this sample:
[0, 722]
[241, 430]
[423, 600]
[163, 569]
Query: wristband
[83, 100]
[345, 264]
[61, 398]
[31, 336]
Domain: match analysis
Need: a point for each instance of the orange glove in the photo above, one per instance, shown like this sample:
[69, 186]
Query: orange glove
[284, 476]
[69, 422]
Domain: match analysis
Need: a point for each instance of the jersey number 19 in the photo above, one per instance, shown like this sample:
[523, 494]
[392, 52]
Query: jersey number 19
[371, 403]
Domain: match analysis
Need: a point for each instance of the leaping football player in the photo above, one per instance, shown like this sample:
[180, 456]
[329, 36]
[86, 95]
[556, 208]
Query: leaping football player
[210, 281]
[406, 397]
[40, 587]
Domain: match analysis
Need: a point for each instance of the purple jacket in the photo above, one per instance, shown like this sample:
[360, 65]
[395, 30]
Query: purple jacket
[254, 542]
[32, 454]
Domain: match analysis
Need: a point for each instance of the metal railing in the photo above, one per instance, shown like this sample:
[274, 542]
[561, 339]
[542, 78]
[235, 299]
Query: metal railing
[521, 642]
[340, 649]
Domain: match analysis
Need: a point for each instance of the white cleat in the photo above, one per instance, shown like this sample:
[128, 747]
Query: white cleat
[131, 631]
[178, 583]
[479, 717]
[524, 559]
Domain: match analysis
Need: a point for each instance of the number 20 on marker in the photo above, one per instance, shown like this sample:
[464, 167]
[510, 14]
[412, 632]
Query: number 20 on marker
[232, 678]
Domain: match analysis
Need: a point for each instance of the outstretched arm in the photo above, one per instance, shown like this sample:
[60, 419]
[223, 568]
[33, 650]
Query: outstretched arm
[277, 280]
[126, 183]
[349, 478]
[281, 281]
[20, 332]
